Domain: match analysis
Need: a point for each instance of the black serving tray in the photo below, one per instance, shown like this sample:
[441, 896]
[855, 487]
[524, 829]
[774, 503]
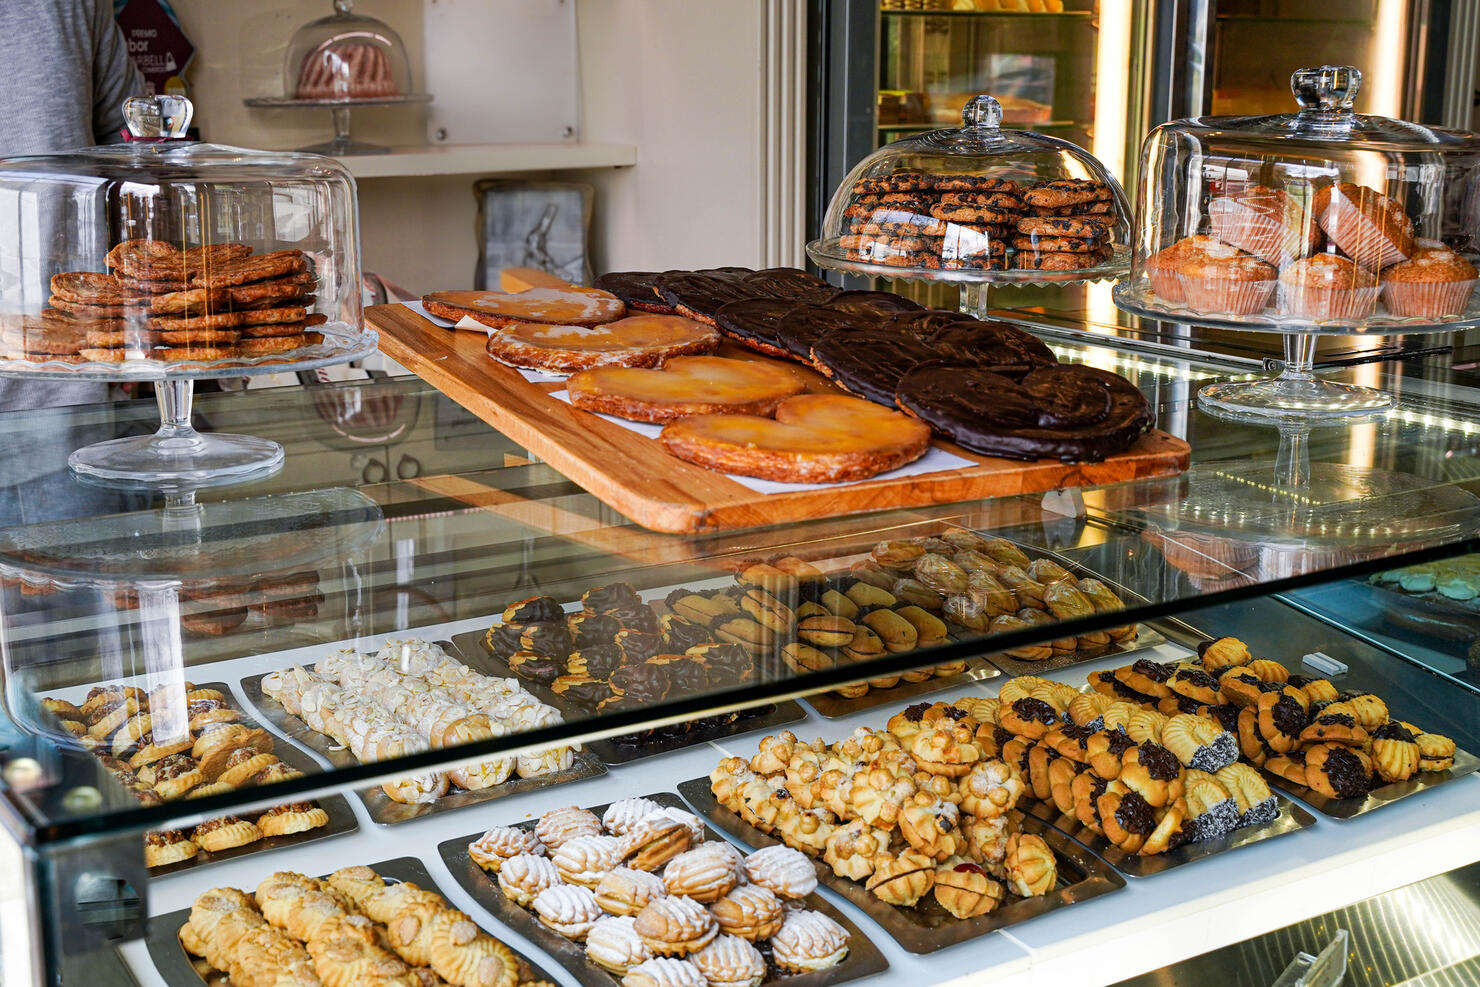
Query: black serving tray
[928, 927]
[179, 969]
[1292, 818]
[471, 650]
[863, 959]
[382, 808]
[341, 816]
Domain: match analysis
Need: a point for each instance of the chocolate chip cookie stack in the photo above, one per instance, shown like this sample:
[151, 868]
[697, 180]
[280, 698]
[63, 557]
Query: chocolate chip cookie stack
[942, 222]
[974, 222]
[159, 302]
[1067, 227]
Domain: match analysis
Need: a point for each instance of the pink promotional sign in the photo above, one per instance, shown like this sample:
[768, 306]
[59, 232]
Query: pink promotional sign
[155, 42]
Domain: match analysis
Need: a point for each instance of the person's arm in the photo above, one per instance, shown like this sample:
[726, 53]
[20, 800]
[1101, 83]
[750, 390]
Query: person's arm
[115, 77]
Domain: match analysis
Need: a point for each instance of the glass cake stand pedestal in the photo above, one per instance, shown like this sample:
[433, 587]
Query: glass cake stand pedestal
[177, 455]
[341, 144]
[1297, 393]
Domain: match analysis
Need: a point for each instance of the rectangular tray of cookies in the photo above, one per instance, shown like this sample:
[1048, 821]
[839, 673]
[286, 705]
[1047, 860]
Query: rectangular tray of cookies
[1465, 762]
[1291, 818]
[863, 958]
[832, 705]
[927, 927]
[382, 808]
[341, 816]
[471, 649]
[179, 969]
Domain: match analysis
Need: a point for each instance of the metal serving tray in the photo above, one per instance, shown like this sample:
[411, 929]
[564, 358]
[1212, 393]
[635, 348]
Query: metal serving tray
[832, 705]
[341, 817]
[1291, 818]
[179, 969]
[471, 650]
[863, 959]
[384, 809]
[927, 927]
[1464, 763]
[1146, 638]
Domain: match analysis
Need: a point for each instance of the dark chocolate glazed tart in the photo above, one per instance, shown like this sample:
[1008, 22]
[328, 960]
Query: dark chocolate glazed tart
[1066, 412]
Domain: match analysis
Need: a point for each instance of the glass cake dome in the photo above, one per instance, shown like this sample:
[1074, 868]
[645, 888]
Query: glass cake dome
[1307, 223]
[346, 56]
[168, 260]
[979, 204]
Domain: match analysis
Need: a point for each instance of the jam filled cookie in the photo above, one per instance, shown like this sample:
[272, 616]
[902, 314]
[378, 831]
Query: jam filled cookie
[502, 842]
[730, 961]
[614, 945]
[751, 911]
[965, 890]
[523, 876]
[1147, 677]
[567, 909]
[1335, 724]
[675, 926]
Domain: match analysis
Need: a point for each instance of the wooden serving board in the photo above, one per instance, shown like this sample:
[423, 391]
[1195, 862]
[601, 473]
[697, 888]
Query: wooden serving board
[633, 474]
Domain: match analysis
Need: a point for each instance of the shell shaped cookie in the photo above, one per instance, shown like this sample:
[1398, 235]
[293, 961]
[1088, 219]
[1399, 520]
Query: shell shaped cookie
[502, 842]
[523, 876]
[568, 909]
[808, 941]
[787, 872]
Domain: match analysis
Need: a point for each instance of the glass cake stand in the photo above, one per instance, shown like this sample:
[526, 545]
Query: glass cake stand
[145, 205]
[980, 150]
[177, 454]
[1321, 192]
[341, 143]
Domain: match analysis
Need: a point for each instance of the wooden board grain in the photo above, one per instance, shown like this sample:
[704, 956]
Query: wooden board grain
[635, 476]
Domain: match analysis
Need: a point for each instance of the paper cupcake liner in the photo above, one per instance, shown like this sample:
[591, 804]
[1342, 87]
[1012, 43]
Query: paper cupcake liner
[1225, 296]
[1263, 236]
[1166, 283]
[1431, 299]
[1358, 237]
[1325, 304]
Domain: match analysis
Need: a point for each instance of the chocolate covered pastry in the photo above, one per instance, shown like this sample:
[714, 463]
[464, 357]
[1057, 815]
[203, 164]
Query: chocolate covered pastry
[1066, 412]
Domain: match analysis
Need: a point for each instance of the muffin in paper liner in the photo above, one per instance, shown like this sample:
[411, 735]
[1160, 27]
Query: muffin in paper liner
[1434, 283]
[1346, 212]
[1225, 296]
[1433, 299]
[1162, 274]
[1266, 223]
[1324, 304]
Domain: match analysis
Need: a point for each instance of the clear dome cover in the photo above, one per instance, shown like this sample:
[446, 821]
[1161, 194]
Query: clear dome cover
[1318, 221]
[162, 257]
[346, 57]
[978, 204]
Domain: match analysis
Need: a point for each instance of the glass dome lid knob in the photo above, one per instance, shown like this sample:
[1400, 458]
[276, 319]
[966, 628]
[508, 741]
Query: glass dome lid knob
[161, 117]
[1327, 89]
[982, 111]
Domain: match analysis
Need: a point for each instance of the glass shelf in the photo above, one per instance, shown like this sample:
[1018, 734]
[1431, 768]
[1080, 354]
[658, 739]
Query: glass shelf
[471, 526]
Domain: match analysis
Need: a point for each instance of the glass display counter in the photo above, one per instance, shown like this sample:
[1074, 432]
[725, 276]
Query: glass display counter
[416, 639]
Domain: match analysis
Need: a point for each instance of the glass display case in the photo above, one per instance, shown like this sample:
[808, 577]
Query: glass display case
[419, 651]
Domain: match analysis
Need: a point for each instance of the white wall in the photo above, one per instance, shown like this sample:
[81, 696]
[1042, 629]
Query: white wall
[681, 79]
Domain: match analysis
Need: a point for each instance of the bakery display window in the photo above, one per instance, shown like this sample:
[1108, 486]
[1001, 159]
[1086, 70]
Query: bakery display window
[423, 705]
